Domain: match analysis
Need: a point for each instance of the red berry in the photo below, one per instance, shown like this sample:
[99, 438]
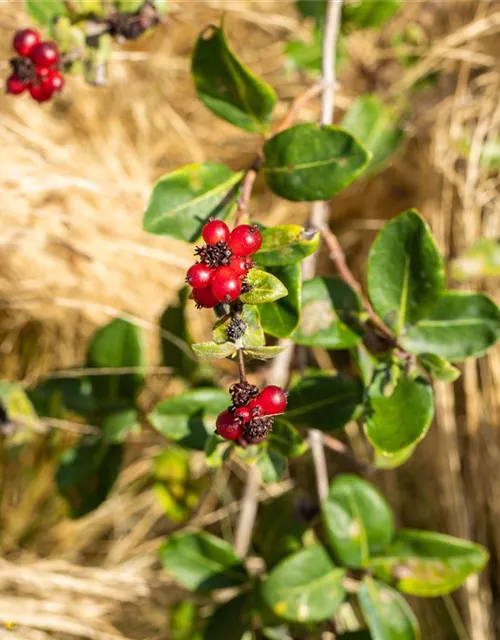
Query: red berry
[199, 276]
[226, 286]
[205, 298]
[272, 399]
[255, 408]
[25, 41]
[243, 414]
[241, 265]
[245, 240]
[227, 427]
[55, 78]
[215, 231]
[41, 92]
[15, 86]
[45, 54]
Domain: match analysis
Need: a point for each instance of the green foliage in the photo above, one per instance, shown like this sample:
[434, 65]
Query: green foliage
[231, 619]
[280, 318]
[202, 562]
[43, 12]
[285, 439]
[438, 367]
[214, 351]
[227, 87]
[308, 162]
[117, 426]
[286, 244]
[264, 288]
[176, 338]
[366, 14]
[263, 353]
[271, 465]
[482, 260]
[254, 334]
[182, 201]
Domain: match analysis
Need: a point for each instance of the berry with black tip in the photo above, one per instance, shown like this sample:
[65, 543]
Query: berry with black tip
[272, 399]
[236, 329]
[15, 86]
[45, 54]
[228, 427]
[215, 231]
[245, 240]
[257, 429]
[243, 414]
[226, 286]
[199, 276]
[215, 255]
[25, 41]
[204, 298]
[241, 265]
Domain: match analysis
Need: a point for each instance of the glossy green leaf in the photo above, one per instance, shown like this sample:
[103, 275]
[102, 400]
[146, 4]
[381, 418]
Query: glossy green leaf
[214, 351]
[176, 338]
[271, 465]
[87, 473]
[460, 325]
[43, 11]
[405, 271]
[328, 306]
[231, 619]
[128, 6]
[482, 260]
[426, 564]
[263, 353]
[386, 612]
[117, 345]
[438, 367]
[312, 9]
[264, 288]
[202, 562]
[227, 87]
[324, 401]
[216, 450]
[286, 244]
[285, 439]
[358, 521]
[399, 416]
[308, 162]
[54, 397]
[305, 587]
[190, 418]
[392, 460]
[281, 318]
[254, 334]
[118, 425]
[183, 620]
[183, 200]
[367, 14]
[376, 126]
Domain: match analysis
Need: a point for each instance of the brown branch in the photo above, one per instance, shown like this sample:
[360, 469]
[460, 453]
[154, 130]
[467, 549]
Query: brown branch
[241, 366]
[299, 102]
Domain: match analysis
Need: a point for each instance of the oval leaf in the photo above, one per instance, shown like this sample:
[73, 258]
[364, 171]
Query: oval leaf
[327, 305]
[461, 325]
[308, 162]
[117, 426]
[280, 318]
[366, 14]
[357, 519]
[306, 587]
[263, 353]
[386, 612]
[438, 368]
[43, 12]
[323, 401]
[214, 351]
[271, 465]
[405, 272]
[202, 562]
[392, 460]
[264, 288]
[238, 611]
[285, 439]
[227, 87]
[427, 564]
[286, 244]
[183, 200]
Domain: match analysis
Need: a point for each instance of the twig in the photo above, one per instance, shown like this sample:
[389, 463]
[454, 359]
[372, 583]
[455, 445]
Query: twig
[246, 189]
[248, 513]
[241, 366]
[299, 102]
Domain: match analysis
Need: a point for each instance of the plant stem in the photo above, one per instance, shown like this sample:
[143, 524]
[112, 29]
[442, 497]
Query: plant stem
[248, 512]
[241, 365]
[246, 189]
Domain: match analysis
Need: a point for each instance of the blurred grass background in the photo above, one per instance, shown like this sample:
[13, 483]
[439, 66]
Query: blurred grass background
[76, 175]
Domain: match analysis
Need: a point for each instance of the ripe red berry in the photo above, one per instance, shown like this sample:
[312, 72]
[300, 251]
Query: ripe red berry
[226, 286]
[241, 265]
[25, 40]
[215, 231]
[41, 92]
[245, 240]
[199, 276]
[14, 85]
[45, 54]
[205, 298]
[272, 399]
[243, 414]
[255, 408]
[55, 79]
[227, 427]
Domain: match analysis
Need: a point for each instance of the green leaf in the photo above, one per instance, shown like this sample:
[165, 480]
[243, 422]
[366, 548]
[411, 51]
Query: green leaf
[44, 12]
[176, 338]
[306, 587]
[312, 9]
[324, 401]
[87, 474]
[214, 351]
[128, 6]
[226, 86]
[190, 418]
[306, 55]
[405, 271]
[392, 460]
[265, 288]
[438, 367]
[427, 564]
[117, 426]
[357, 519]
[118, 344]
[183, 620]
[281, 318]
[328, 306]
[286, 244]
[231, 619]
[398, 417]
[376, 126]
[216, 450]
[55, 397]
[386, 612]
[460, 325]
[308, 162]
[263, 353]
[254, 334]
[367, 14]
[482, 260]
[202, 562]
[286, 440]
[271, 465]
[183, 200]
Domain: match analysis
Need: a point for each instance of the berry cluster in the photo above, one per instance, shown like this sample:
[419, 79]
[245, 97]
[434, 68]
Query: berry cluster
[35, 68]
[250, 418]
[224, 263]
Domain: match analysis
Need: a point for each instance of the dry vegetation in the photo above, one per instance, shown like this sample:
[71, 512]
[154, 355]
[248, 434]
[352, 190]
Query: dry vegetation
[75, 177]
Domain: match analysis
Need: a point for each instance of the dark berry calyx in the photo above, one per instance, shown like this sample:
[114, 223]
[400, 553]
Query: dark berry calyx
[236, 329]
[242, 392]
[257, 429]
[214, 255]
[23, 68]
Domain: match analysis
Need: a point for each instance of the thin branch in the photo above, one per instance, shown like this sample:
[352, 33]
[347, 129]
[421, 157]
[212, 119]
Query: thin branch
[299, 102]
[241, 365]
[247, 188]
[248, 513]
